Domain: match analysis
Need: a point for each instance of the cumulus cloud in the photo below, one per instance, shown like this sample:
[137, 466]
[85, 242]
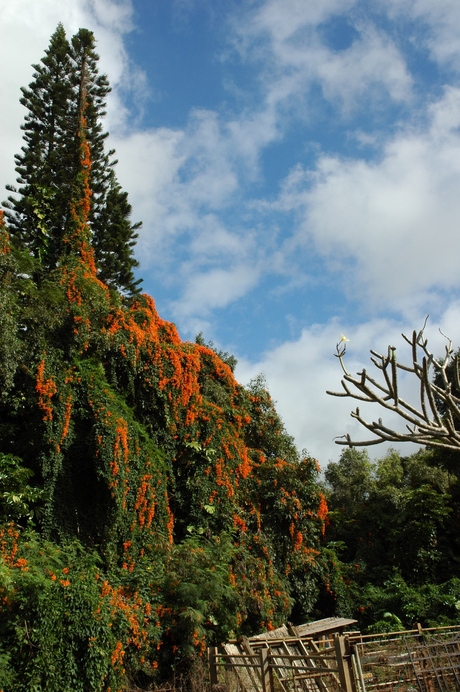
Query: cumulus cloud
[389, 226]
[300, 371]
[215, 288]
[371, 67]
[283, 21]
[289, 40]
[148, 167]
[438, 26]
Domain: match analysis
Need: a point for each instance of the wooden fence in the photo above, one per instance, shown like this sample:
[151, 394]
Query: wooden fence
[284, 665]
[421, 660]
[413, 661]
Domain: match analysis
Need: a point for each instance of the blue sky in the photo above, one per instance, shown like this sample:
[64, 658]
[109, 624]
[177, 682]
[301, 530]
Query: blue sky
[296, 165]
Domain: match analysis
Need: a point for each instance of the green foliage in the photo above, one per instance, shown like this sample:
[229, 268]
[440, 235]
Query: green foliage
[203, 606]
[350, 480]
[151, 505]
[114, 238]
[431, 604]
[139, 459]
[62, 626]
[392, 540]
[66, 96]
[10, 343]
[146, 450]
[225, 356]
[20, 501]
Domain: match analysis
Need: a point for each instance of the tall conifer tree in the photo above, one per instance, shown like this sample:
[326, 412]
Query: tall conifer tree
[36, 216]
[50, 163]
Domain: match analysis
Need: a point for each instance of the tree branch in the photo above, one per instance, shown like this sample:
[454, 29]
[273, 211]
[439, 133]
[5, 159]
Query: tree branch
[434, 422]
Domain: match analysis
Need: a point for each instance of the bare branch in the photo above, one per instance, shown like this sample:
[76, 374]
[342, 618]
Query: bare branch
[434, 423]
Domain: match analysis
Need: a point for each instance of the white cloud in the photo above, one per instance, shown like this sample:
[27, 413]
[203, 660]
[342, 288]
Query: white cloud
[283, 21]
[299, 372]
[148, 166]
[215, 288]
[208, 161]
[180, 180]
[184, 184]
[250, 134]
[390, 227]
[440, 21]
[148, 160]
[286, 40]
[371, 68]
[214, 245]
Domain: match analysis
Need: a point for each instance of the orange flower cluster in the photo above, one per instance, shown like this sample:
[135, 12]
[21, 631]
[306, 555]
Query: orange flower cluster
[68, 410]
[298, 541]
[239, 523]
[9, 548]
[4, 236]
[145, 501]
[117, 655]
[323, 512]
[211, 423]
[136, 613]
[122, 436]
[170, 525]
[46, 390]
[78, 231]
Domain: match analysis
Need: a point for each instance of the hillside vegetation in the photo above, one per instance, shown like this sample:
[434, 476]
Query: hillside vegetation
[151, 504]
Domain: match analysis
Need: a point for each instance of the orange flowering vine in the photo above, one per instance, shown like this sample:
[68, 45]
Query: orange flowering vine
[323, 511]
[46, 389]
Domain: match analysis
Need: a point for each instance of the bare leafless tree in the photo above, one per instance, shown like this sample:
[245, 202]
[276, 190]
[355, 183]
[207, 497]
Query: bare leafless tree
[437, 420]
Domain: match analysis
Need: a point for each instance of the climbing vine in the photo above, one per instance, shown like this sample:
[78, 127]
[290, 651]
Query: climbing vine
[162, 506]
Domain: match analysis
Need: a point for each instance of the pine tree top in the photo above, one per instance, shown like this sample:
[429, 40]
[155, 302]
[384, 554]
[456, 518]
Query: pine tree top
[66, 96]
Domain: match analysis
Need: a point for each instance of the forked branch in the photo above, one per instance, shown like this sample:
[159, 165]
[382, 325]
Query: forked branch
[435, 422]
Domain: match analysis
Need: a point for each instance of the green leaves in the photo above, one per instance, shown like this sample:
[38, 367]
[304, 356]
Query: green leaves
[203, 605]
[20, 501]
[49, 167]
[392, 540]
[172, 509]
[58, 628]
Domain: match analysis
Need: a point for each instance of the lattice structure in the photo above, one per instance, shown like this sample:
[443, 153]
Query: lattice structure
[319, 657]
[309, 658]
[425, 660]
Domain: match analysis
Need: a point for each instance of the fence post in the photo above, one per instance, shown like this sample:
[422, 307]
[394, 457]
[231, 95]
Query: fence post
[265, 671]
[212, 660]
[342, 654]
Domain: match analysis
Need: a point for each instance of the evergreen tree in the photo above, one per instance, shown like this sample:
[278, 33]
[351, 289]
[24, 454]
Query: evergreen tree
[37, 216]
[49, 165]
[114, 238]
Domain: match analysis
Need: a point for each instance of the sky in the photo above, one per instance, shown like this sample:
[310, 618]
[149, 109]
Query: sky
[296, 166]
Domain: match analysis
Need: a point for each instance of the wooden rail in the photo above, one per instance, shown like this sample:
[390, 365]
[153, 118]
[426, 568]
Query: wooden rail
[291, 664]
[420, 660]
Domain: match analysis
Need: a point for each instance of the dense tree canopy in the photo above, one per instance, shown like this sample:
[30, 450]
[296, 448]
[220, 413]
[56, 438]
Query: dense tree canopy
[393, 540]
